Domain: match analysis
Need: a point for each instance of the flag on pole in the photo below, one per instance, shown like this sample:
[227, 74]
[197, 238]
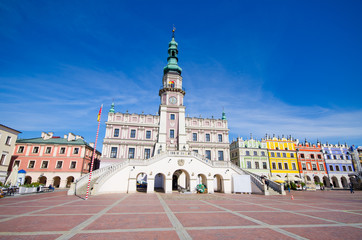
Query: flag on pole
[99, 114]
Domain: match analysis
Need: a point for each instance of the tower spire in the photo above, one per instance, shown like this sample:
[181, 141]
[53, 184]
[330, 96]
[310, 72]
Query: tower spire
[172, 59]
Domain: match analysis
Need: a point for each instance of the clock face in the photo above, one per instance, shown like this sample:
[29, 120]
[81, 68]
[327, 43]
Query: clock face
[172, 100]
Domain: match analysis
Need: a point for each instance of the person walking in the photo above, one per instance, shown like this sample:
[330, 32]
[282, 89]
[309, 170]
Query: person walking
[351, 187]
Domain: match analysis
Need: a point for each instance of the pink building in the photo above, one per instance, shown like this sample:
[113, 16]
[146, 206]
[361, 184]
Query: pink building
[54, 160]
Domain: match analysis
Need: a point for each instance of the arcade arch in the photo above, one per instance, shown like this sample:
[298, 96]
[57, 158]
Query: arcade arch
[27, 180]
[335, 182]
[70, 180]
[181, 180]
[42, 180]
[218, 183]
[326, 182]
[317, 179]
[160, 182]
[344, 182]
[56, 182]
[141, 182]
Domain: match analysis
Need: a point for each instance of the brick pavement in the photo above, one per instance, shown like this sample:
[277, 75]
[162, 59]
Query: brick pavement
[311, 215]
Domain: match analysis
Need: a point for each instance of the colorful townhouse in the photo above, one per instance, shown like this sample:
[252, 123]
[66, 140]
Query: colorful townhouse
[54, 160]
[311, 162]
[283, 158]
[339, 165]
[251, 155]
[8, 138]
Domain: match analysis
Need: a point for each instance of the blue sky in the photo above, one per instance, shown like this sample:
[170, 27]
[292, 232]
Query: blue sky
[276, 67]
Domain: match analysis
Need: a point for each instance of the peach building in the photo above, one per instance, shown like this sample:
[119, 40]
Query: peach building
[54, 160]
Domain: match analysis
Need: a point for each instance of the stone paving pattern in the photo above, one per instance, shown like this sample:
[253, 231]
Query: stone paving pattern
[311, 215]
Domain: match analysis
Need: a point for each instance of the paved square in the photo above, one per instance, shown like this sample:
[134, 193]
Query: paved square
[311, 215]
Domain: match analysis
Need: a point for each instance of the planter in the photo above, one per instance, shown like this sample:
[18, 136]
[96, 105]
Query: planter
[24, 190]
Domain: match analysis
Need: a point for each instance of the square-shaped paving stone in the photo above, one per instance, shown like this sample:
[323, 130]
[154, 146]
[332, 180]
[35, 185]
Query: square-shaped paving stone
[343, 217]
[12, 210]
[136, 208]
[246, 207]
[330, 233]
[30, 237]
[130, 221]
[193, 208]
[42, 223]
[73, 210]
[212, 219]
[160, 235]
[256, 233]
[282, 218]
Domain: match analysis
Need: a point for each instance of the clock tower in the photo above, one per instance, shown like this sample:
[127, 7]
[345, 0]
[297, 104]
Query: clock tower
[172, 134]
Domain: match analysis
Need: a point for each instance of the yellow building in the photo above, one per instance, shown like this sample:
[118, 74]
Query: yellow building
[283, 158]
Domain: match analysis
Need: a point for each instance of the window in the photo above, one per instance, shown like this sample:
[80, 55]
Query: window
[319, 156]
[284, 155]
[255, 153]
[331, 168]
[194, 137]
[286, 166]
[21, 149]
[220, 155]
[314, 167]
[59, 164]
[133, 133]
[302, 155]
[278, 154]
[274, 166]
[344, 168]
[44, 164]
[304, 167]
[312, 156]
[337, 168]
[248, 164]
[208, 154]
[172, 116]
[264, 165]
[350, 168]
[207, 137]
[219, 136]
[294, 166]
[48, 150]
[280, 166]
[62, 150]
[263, 153]
[321, 167]
[76, 151]
[113, 152]
[2, 159]
[73, 164]
[342, 157]
[148, 134]
[147, 153]
[247, 153]
[292, 155]
[334, 156]
[8, 140]
[17, 163]
[328, 156]
[272, 154]
[35, 149]
[131, 153]
[116, 132]
[172, 133]
[256, 165]
[31, 164]
[196, 151]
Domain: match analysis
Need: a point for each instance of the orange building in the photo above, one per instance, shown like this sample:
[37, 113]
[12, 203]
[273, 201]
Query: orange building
[54, 160]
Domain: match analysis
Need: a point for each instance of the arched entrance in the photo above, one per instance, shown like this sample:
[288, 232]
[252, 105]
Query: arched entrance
[141, 182]
[27, 180]
[181, 180]
[317, 179]
[160, 182]
[308, 178]
[70, 180]
[335, 182]
[218, 183]
[43, 180]
[56, 182]
[326, 182]
[201, 179]
[344, 182]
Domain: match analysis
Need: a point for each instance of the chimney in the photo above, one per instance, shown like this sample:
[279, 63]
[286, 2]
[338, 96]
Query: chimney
[65, 136]
[71, 137]
[47, 136]
[91, 145]
[79, 137]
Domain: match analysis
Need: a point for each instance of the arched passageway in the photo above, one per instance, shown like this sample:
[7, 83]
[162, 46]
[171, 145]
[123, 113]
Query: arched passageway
[56, 182]
[344, 182]
[27, 180]
[326, 182]
[160, 182]
[43, 180]
[317, 179]
[218, 183]
[335, 182]
[70, 180]
[181, 180]
[141, 182]
[308, 178]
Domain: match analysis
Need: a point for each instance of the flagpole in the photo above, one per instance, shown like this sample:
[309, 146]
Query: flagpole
[94, 152]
